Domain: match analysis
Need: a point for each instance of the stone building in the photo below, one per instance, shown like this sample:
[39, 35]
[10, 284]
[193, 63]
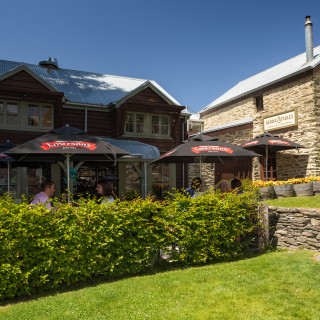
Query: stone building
[283, 100]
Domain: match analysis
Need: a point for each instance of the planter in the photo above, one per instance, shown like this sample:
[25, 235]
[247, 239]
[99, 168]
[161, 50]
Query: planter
[316, 187]
[303, 189]
[267, 193]
[284, 190]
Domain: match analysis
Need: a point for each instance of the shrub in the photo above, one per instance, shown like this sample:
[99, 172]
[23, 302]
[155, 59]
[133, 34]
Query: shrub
[209, 227]
[44, 249]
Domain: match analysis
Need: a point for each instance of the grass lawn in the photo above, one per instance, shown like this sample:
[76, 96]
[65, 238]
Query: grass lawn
[277, 285]
[296, 202]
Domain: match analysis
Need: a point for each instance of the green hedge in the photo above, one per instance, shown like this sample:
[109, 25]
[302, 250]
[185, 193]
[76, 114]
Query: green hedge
[45, 249]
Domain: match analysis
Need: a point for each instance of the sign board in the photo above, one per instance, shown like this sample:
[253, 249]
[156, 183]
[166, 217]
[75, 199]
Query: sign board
[282, 120]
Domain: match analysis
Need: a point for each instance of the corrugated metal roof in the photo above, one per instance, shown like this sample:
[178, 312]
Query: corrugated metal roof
[229, 125]
[147, 151]
[277, 73]
[87, 87]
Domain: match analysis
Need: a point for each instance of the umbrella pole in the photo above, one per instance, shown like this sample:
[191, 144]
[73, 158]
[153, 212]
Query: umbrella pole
[9, 165]
[68, 176]
[266, 162]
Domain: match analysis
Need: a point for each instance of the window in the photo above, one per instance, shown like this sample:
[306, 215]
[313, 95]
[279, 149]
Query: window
[259, 103]
[129, 123]
[141, 124]
[135, 123]
[33, 115]
[23, 116]
[155, 125]
[164, 125]
[39, 116]
[160, 125]
[9, 114]
[46, 116]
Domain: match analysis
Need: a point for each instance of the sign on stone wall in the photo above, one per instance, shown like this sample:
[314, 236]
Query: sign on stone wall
[281, 120]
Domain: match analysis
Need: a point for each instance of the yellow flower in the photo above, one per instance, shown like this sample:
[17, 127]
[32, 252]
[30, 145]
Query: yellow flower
[262, 183]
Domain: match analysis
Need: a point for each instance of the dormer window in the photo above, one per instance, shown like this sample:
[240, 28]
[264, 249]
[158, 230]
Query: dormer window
[147, 125]
[259, 103]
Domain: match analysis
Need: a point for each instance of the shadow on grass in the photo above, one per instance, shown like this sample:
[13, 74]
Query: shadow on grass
[162, 265]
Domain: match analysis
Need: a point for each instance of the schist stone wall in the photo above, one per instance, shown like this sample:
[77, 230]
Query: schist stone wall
[302, 95]
[294, 228]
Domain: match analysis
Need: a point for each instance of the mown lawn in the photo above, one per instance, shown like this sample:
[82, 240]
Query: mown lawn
[296, 202]
[277, 285]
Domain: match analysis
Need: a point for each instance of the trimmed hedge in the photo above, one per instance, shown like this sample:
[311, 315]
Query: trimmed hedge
[45, 249]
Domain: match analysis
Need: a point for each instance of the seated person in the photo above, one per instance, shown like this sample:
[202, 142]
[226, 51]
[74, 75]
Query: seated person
[236, 185]
[223, 186]
[47, 192]
[195, 187]
[105, 191]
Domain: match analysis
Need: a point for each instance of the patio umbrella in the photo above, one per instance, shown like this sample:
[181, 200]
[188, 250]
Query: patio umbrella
[267, 143]
[63, 144]
[202, 148]
[5, 159]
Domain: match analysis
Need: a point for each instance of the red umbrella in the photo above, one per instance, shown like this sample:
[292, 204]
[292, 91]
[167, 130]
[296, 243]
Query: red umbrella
[267, 143]
[203, 148]
[63, 144]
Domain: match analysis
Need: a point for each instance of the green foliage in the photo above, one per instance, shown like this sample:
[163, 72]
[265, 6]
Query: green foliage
[212, 227]
[45, 249]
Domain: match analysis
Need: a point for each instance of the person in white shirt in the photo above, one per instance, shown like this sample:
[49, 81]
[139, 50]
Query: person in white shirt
[105, 191]
[44, 196]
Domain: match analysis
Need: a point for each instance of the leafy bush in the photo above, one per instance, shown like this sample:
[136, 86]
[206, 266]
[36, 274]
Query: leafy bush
[210, 227]
[45, 249]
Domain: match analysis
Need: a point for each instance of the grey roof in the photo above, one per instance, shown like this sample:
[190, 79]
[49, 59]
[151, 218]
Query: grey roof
[147, 151]
[230, 125]
[270, 76]
[89, 88]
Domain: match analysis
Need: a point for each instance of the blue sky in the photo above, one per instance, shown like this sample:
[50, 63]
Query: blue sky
[194, 49]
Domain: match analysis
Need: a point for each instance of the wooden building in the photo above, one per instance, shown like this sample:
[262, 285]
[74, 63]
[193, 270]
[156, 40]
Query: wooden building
[36, 98]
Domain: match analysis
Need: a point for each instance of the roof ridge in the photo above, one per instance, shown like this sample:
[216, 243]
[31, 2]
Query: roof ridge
[78, 71]
[280, 63]
[267, 76]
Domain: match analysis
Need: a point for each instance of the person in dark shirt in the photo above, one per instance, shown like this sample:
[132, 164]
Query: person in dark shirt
[236, 185]
[195, 187]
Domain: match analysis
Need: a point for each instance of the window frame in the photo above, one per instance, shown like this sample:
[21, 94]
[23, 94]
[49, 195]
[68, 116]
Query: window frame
[41, 107]
[259, 103]
[23, 115]
[149, 131]
[5, 123]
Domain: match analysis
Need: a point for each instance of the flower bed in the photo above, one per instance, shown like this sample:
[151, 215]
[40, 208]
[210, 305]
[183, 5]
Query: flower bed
[307, 186]
[263, 183]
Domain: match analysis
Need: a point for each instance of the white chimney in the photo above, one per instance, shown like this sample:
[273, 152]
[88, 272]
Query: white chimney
[309, 39]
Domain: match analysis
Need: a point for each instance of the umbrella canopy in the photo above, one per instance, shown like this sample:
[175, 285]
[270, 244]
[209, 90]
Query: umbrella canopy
[267, 143]
[63, 144]
[203, 148]
[273, 142]
[5, 146]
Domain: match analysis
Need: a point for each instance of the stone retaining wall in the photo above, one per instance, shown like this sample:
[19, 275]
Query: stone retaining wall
[293, 228]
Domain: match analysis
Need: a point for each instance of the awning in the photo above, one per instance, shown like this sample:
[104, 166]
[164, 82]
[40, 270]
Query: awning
[147, 151]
